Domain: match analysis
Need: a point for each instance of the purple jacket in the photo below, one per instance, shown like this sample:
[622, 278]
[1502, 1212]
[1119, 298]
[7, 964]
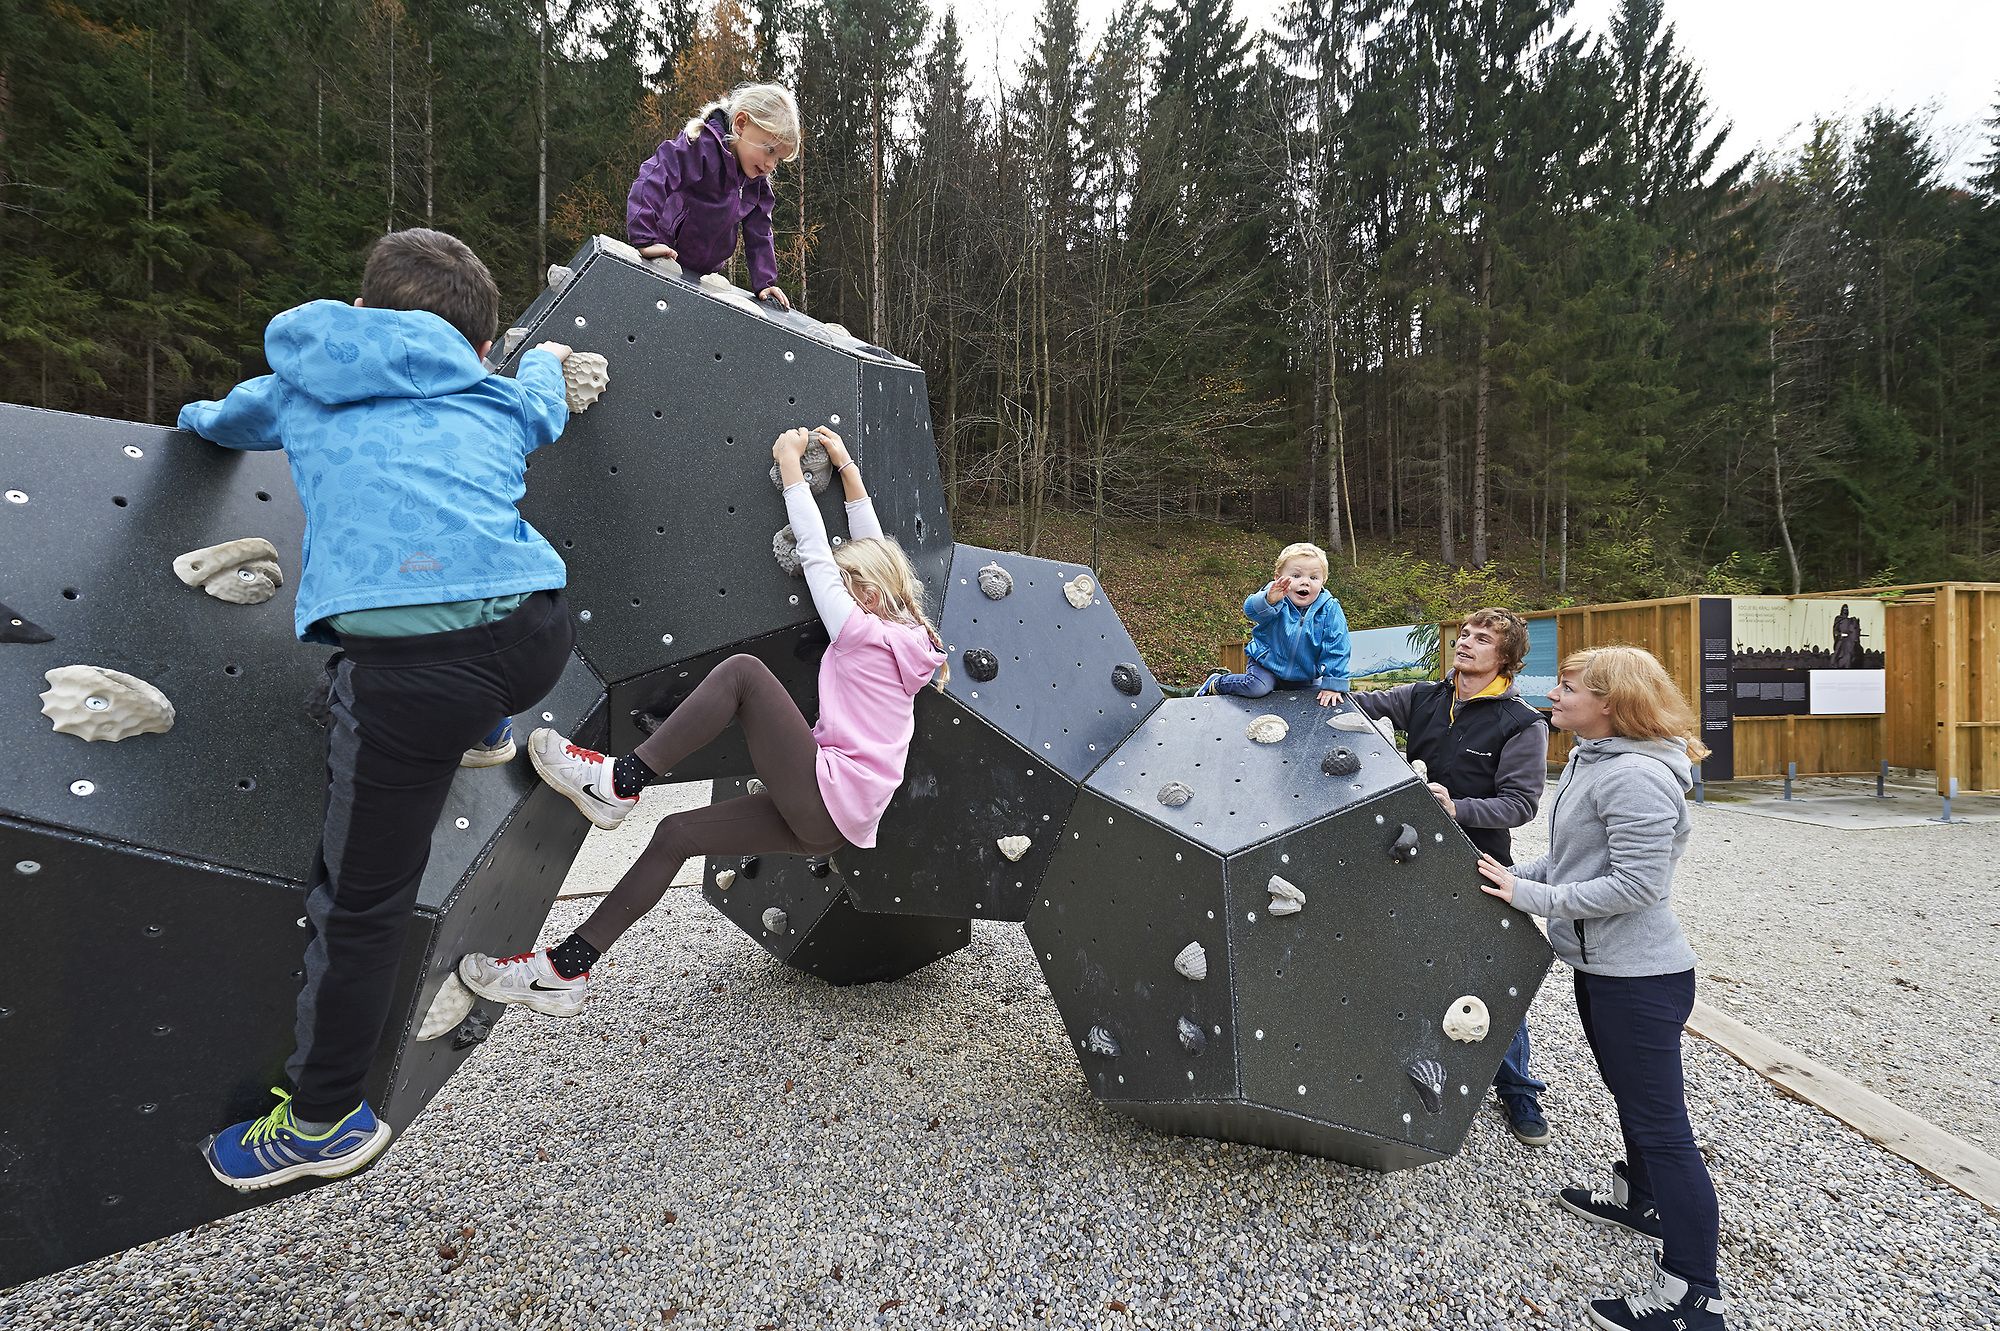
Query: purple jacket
[692, 195]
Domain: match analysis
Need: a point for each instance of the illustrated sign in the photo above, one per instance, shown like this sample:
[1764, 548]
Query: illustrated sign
[1781, 643]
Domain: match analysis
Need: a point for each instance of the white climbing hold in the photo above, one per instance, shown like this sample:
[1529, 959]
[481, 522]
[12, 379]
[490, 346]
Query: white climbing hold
[1175, 793]
[662, 264]
[559, 276]
[1466, 1020]
[785, 549]
[1080, 589]
[510, 341]
[611, 245]
[1357, 722]
[1192, 1040]
[1286, 898]
[243, 572]
[722, 286]
[1267, 729]
[448, 1009]
[753, 787]
[1014, 847]
[95, 703]
[775, 921]
[1417, 766]
[725, 879]
[1192, 961]
[1101, 1041]
[585, 373]
[995, 581]
[840, 330]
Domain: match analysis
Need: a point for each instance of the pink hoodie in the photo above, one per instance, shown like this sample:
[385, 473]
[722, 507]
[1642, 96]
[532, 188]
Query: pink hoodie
[868, 683]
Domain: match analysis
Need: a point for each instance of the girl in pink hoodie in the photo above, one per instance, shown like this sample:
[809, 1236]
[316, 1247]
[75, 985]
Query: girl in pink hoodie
[824, 785]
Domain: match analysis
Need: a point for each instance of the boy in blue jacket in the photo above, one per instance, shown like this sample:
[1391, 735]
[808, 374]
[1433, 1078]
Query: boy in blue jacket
[409, 456]
[1300, 638]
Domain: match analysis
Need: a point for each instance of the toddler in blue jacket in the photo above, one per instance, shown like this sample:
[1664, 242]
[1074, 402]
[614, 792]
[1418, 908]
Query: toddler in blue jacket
[409, 456]
[1300, 638]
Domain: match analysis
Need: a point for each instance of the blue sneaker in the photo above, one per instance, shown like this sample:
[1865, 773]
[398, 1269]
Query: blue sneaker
[1207, 687]
[264, 1152]
[495, 749]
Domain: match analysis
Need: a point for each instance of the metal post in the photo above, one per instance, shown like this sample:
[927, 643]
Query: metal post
[1700, 789]
[1950, 793]
[1791, 770]
[1881, 779]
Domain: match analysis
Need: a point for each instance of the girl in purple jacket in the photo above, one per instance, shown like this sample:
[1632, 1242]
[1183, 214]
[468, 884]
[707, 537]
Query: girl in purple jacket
[824, 784]
[699, 189]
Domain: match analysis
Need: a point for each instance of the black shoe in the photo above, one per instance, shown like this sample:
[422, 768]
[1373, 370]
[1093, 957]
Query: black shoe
[1670, 1305]
[1614, 1207]
[1525, 1119]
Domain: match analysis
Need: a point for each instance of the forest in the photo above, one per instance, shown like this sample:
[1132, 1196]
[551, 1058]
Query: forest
[1451, 278]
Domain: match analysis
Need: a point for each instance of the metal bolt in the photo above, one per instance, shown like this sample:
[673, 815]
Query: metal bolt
[82, 788]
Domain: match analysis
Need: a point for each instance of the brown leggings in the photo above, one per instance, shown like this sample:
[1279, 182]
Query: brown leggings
[788, 818]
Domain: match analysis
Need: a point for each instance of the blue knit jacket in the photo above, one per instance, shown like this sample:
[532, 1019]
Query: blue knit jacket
[1299, 645]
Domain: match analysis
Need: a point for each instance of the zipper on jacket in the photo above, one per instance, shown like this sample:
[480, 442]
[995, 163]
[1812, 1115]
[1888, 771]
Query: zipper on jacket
[1582, 946]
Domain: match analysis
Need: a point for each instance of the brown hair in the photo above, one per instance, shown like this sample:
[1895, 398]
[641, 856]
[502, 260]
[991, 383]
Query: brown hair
[1645, 703]
[422, 269]
[1512, 630]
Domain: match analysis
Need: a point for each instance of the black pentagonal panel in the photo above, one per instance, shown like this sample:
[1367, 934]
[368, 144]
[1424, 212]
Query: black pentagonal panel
[966, 789]
[638, 705]
[1055, 693]
[899, 458]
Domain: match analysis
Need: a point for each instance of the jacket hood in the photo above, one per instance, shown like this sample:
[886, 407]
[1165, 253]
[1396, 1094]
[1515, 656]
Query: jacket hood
[336, 353]
[916, 659]
[1669, 753]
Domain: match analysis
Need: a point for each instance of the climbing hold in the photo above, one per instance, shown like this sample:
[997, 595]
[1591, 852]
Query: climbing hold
[448, 1009]
[1340, 762]
[1079, 590]
[1466, 1020]
[814, 462]
[1014, 847]
[1286, 898]
[612, 245]
[749, 866]
[839, 330]
[1428, 1075]
[1417, 766]
[981, 664]
[1267, 729]
[93, 703]
[1125, 677]
[1175, 793]
[559, 276]
[753, 787]
[785, 549]
[1405, 848]
[242, 572]
[510, 341]
[662, 264]
[722, 286]
[819, 866]
[585, 373]
[725, 879]
[995, 581]
[1192, 961]
[473, 1030]
[19, 628]
[1101, 1041]
[1192, 1040]
[1357, 722]
[774, 920]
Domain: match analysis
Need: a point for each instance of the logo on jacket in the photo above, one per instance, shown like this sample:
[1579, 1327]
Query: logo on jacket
[422, 563]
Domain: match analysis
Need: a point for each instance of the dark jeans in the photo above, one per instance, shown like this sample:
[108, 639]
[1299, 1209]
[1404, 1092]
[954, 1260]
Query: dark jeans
[1634, 1026]
[1514, 1081]
[400, 714]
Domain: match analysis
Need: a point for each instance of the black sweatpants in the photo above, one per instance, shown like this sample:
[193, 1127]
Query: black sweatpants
[401, 712]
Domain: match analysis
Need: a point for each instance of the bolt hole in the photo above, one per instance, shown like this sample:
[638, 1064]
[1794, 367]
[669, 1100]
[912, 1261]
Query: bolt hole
[118, 500]
[71, 593]
[264, 496]
[232, 670]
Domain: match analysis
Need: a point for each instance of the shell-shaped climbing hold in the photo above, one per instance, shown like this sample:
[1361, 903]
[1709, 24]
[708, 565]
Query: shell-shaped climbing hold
[448, 1009]
[17, 627]
[560, 275]
[981, 664]
[1286, 898]
[1191, 1038]
[839, 330]
[1080, 590]
[995, 581]
[93, 703]
[244, 571]
[1340, 762]
[1192, 961]
[1267, 729]
[612, 245]
[585, 374]
[1014, 847]
[722, 286]
[1467, 1020]
[725, 879]
[775, 920]
[814, 462]
[1405, 848]
[1176, 793]
[1126, 678]
[785, 549]
[662, 264]
[753, 787]
[1101, 1041]
[1428, 1074]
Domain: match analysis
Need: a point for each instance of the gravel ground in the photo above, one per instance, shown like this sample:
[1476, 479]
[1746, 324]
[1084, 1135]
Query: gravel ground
[1875, 952]
[718, 1142]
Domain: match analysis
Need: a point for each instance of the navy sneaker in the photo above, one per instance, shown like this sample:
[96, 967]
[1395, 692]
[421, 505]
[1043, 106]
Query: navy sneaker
[495, 749]
[264, 1152]
[1525, 1119]
[1614, 1207]
[1670, 1305]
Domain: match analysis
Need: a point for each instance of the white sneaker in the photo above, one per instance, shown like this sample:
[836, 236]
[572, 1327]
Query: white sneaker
[528, 980]
[583, 776]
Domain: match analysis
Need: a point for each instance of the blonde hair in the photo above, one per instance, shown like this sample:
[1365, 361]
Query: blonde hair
[1299, 550]
[1645, 702]
[770, 106]
[878, 565]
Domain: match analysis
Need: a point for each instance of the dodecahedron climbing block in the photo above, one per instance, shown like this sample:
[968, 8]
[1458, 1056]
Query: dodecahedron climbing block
[1260, 939]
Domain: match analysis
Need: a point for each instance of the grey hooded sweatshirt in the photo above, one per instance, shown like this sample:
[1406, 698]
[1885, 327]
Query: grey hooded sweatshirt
[1617, 825]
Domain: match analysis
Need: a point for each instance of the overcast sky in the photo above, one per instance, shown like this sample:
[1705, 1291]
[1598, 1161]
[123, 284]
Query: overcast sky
[1769, 66]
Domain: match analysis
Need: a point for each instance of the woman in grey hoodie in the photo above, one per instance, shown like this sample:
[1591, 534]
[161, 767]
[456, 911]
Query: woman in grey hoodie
[1617, 824]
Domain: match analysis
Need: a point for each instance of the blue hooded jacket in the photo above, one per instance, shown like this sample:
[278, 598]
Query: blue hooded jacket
[408, 454]
[1299, 645]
